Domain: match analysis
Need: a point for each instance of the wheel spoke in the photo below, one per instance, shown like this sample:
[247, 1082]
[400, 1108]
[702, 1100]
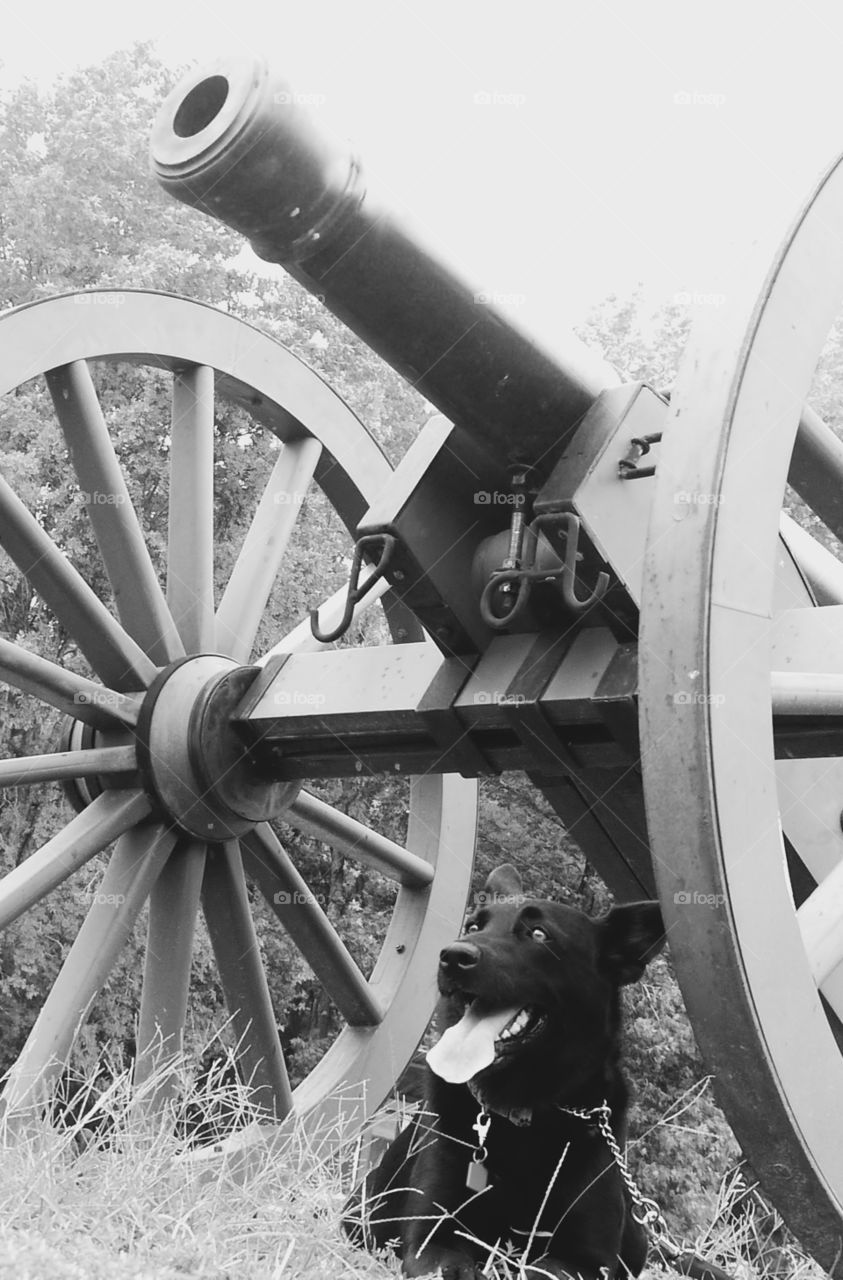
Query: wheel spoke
[225, 903]
[114, 656]
[252, 578]
[821, 923]
[807, 693]
[807, 682]
[131, 872]
[137, 592]
[87, 834]
[808, 639]
[823, 571]
[173, 906]
[309, 813]
[57, 765]
[301, 638]
[809, 793]
[190, 538]
[73, 694]
[816, 469]
[311, 930]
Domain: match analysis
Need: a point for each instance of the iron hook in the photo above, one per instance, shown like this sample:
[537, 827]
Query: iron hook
[355, 591]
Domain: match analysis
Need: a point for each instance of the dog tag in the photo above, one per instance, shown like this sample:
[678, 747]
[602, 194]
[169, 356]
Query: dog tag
[477, 1177]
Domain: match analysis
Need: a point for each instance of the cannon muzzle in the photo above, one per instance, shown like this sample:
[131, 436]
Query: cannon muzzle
[236, 142]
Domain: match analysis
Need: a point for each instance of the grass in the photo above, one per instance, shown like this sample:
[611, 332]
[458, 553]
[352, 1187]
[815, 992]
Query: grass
[141, 1206]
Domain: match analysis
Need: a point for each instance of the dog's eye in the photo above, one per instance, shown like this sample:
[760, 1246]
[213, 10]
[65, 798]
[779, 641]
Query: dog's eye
[538, 935]
[472, 928]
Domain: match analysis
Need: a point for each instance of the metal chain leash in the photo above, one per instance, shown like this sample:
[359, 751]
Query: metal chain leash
[645, 1210]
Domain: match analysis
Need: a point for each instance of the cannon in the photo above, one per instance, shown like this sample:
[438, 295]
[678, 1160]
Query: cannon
[592, 582]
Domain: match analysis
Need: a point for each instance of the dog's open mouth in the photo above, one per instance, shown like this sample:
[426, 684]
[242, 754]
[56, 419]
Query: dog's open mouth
[480, 1038]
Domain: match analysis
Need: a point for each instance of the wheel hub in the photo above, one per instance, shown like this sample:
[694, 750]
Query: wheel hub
[191, 760]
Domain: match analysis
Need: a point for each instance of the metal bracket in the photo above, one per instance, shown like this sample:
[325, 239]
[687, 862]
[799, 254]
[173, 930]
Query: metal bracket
[355, 591]
[526, 575]
[639, 446]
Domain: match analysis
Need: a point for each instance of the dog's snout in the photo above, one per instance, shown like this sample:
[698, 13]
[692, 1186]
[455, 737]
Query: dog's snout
[460, 955]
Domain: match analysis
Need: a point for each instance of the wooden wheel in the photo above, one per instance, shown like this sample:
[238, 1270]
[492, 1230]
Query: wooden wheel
[150, 753]
[742, 737]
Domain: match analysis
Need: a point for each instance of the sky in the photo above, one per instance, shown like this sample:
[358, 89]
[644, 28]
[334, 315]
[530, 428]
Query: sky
[559, 152]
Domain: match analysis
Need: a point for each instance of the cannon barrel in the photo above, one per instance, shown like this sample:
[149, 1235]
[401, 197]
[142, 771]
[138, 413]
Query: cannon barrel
[234, 141]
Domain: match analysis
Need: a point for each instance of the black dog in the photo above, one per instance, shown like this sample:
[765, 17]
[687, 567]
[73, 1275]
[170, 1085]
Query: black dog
[530, 1013]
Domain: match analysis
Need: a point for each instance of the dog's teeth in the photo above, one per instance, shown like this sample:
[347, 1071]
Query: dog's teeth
[516, 1026]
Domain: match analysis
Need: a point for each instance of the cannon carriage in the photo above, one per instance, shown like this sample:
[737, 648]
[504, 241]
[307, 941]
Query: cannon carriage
[583, 580]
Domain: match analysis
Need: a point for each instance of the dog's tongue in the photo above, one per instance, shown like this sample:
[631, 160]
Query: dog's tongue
[469, 1046]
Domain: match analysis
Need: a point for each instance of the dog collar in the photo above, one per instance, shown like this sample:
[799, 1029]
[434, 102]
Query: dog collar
[520, 1116]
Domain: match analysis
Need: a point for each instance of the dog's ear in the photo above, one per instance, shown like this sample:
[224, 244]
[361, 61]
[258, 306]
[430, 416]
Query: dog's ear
[632, 935]
[504, 882]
